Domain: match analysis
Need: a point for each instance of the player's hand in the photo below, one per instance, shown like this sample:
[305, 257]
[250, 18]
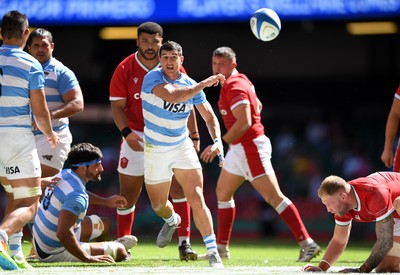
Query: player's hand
[49, 182]
[350, 270]
[214, 80]
[53, 139]
[387, 158]
[212, 151]
[311, 268]
[135, 142]
[101, 259]
[116, 201]
[207, 155]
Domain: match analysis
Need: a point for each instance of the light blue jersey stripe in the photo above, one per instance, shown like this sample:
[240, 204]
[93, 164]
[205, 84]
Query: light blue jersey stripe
[14, 111]
[165, 122]
[59, 80]
[20, 73]
[69, 194]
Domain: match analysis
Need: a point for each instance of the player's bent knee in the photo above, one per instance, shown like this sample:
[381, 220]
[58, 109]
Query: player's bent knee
[97, 226]
[395, 251]
[391, 262]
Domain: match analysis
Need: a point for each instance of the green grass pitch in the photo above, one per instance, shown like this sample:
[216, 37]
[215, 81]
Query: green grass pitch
[247, 257]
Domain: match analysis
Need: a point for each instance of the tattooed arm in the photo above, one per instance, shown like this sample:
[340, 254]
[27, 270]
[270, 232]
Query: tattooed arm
[384, 242]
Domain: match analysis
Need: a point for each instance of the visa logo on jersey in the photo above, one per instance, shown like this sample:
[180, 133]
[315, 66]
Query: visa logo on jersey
[174, 108]
[12, 170]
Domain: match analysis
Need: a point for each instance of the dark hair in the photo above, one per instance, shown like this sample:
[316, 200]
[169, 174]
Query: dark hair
[225, 52]
[42, 33]
[171, 46]
[83, 152]
[13, 24]
[150, 28]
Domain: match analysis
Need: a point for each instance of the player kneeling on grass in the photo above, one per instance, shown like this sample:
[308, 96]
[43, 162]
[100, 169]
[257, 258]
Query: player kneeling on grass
[375, 198]
[61, 228]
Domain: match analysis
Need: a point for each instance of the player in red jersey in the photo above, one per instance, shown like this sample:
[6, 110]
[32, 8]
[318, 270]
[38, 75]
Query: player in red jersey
[392, 129]
[126, 105]
[248, 157]
[374, 198]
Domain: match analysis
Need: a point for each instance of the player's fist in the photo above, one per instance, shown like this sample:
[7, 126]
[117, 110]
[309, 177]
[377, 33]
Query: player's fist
[311, 268]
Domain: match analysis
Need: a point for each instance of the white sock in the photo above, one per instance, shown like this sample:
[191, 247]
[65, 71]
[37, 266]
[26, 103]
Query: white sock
[182, 239]
[15, 242]
[211, 243]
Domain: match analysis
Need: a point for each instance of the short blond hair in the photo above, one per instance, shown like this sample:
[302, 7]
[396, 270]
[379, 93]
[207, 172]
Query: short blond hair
[331, 185]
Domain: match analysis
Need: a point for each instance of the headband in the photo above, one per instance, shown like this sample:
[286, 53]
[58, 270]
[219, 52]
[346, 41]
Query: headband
[87, 163]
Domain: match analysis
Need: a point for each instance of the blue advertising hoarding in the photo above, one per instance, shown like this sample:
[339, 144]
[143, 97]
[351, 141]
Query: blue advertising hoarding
[120, 12]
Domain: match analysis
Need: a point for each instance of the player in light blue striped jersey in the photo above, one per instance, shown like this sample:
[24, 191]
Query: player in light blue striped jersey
[62, 230]
[168, 96]
[64, 99]
[21, 95]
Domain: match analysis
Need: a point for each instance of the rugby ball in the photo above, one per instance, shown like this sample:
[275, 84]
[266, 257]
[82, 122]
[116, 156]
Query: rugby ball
[265, 24]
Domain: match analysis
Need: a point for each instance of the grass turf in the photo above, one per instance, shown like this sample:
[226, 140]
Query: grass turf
[258, 254]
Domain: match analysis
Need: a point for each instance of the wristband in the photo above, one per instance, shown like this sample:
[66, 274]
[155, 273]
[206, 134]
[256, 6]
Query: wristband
[324, 265]
[126, 131]
[218, 143]
[196, 139]
[365, 268]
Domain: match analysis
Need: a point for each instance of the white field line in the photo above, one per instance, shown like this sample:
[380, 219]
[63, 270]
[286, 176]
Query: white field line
[166, 270]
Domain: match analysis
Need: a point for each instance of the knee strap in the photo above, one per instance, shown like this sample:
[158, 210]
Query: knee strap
[97, 226]
[24, 192]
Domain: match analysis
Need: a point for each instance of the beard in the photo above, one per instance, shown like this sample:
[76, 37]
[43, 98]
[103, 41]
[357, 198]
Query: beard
[94, 177]
[148, 54]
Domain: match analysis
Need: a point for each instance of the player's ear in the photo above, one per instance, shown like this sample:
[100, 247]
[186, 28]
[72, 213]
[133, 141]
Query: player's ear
[233, 65]
[182, 58]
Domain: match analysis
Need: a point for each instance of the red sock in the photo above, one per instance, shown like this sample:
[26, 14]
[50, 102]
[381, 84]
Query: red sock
[226, 217]
[182, 208]
[292, 218]
[125, 223]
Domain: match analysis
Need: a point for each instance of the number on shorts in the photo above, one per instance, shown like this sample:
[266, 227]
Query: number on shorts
[46, 200]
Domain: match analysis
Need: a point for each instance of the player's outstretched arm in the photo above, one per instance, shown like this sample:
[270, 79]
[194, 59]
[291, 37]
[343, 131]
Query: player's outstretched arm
[335, 248]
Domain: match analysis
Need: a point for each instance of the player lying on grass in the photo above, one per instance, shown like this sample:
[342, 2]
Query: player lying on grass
[374, 198]
[61, 229]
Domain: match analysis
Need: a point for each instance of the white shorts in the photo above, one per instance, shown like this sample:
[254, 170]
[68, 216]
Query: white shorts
[131, 162]
[54, 157]
[63, 256]
[159, 161]
[18, 157]
[250, 159]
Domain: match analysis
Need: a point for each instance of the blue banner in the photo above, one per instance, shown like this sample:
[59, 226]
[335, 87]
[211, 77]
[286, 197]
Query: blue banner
[122, 12]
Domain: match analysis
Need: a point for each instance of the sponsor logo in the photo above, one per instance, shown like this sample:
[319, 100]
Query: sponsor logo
[124, 162]
[136, 96]
[174, 108]
[12, 170]
[47, 157]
